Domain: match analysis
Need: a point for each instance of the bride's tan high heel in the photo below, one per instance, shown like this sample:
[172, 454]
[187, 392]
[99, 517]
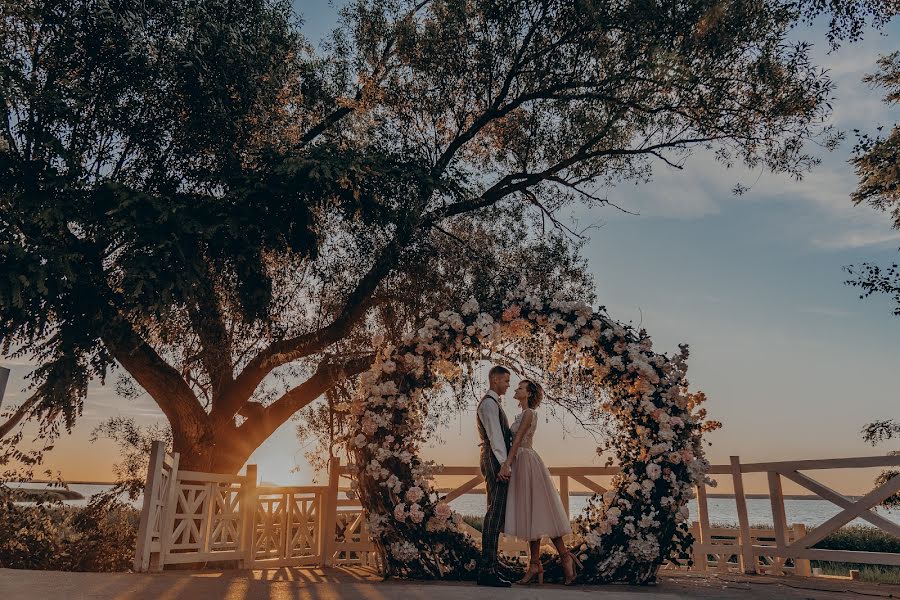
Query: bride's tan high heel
[575, 562]
[535, 569]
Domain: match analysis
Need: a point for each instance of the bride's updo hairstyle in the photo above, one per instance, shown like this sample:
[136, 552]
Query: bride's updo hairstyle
[535, 393]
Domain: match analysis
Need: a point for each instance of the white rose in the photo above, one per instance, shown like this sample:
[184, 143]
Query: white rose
[414, 494]
[470, 307]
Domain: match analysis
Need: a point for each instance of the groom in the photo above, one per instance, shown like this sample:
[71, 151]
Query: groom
[495, 443]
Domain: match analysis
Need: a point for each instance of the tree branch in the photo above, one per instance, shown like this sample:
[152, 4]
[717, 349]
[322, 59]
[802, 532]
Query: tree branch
[258, 428]
[159, 378]
[282, 352]
[17, 416]
[378, 75]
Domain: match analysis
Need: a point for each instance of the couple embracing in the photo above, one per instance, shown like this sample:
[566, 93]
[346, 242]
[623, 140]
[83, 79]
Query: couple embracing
[521, 498]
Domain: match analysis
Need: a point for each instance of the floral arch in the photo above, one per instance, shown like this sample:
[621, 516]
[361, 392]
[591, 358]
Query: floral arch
[622, 535]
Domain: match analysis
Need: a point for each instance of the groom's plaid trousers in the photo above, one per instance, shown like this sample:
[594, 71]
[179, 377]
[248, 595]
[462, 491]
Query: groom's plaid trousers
[496, 492]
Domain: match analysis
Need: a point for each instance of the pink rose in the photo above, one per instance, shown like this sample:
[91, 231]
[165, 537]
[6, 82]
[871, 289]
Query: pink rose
[416, 514]
[414, 494]
[400, 512]
[512, 312]
[442, 510]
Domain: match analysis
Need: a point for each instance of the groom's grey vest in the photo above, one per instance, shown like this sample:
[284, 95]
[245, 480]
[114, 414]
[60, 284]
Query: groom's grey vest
[504, 428]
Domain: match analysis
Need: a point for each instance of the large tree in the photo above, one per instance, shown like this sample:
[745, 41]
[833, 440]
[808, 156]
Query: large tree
[191, 191]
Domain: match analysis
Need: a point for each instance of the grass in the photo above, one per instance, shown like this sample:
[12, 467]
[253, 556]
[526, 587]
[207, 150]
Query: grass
[870, 573]
[862, 538]
[474, 521]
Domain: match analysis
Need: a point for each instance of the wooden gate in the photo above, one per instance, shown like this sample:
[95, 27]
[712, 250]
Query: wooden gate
[192, 517]
[287, 529]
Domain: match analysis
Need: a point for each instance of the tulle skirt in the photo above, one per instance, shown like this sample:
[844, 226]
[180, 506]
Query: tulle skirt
[533, 506]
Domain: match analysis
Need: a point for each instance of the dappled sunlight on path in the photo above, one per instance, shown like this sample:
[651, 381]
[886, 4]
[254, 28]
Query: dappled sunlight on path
[364, 584]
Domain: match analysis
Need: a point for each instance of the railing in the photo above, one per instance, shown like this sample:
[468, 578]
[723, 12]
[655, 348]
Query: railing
[722, 550]
[783, 549]
[191, 517]
[288, 526]
[200, 517]
[799, 546]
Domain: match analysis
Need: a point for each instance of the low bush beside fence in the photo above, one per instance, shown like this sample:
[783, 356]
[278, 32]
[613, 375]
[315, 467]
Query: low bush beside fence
[52, 536]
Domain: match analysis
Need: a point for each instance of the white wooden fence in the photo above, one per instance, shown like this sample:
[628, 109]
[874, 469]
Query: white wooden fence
[191, 517]
[793, 543]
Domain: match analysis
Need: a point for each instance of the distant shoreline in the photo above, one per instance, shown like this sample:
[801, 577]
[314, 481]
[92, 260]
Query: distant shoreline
[24, 494]
[47, 481]
[481, 492]
[708, 495]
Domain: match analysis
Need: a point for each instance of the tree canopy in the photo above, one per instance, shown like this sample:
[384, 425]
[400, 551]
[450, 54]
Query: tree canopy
[192, 191]
[877, 162]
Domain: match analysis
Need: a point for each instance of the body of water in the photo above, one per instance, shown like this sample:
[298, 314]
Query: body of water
[809, 512]
[85, 489]
[723, 511]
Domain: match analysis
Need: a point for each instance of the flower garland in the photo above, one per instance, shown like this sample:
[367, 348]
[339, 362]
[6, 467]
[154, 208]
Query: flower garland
[624, 534]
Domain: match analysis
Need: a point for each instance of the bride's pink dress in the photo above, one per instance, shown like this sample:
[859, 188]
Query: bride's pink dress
[533, 506]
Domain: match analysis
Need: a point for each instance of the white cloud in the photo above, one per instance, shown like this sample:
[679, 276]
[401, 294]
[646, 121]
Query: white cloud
[858, 239]
[10, 363]
[824, 311]
[672, 194]
[701, 189]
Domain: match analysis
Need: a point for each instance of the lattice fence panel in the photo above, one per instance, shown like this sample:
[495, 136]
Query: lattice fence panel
[226, 517]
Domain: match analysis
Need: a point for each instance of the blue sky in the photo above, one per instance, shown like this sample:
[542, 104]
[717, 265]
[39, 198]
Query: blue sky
[793, 362]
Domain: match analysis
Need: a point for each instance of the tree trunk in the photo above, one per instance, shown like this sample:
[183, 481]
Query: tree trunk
[222, 451]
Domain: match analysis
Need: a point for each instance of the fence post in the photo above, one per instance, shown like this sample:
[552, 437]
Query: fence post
[747, 560]
[801, 565]
[4, 378]
[329, 520]
[151, 491]
[564, 492]
[776, 498]
[248, 517]
[167, 516]
[702, 528]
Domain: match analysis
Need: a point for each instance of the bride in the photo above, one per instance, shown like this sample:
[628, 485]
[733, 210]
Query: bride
[533, 506]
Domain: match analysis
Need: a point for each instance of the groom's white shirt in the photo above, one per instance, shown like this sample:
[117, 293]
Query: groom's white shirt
[489, 413]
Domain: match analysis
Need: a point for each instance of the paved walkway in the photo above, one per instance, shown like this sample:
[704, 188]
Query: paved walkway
[353, 584]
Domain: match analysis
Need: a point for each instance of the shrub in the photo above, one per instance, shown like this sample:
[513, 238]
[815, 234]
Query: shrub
[98, 537]
[860, 537]
[30, 537]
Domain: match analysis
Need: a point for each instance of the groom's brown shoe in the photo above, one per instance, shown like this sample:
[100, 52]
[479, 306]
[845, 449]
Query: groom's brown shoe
[492, 579]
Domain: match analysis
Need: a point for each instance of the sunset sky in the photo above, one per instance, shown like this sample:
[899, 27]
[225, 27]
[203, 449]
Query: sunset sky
[793, 362]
